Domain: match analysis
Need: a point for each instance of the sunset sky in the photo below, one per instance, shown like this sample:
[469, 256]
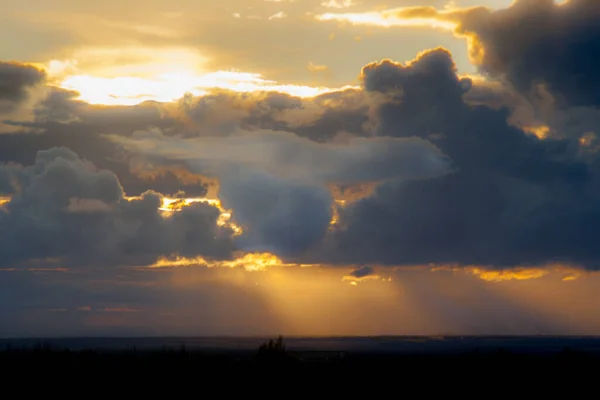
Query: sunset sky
[303, 167]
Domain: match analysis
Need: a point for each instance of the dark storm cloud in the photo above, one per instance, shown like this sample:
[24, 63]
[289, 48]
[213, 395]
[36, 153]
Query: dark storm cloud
[539, 109]
[514, 199]
[62, 120]
[388, 76]
[63, 207]
[544, 56]
[530, 43]
[276, 182]
[15, 81]
[540, 42]
[284, 217]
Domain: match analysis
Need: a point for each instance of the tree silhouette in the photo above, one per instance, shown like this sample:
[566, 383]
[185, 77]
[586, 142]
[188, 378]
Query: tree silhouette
[273, 350]
[273, 346]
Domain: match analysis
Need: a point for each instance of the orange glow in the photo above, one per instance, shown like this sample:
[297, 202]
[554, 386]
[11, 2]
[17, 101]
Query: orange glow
[335, 213]
[352, 193]
[490, 275]
[354, 281]
[3, 202]
[587, 139]
[570, 273]
[390, 18]
[170, 205]
[131, 75]
[252, 262]
[571, 277]
[315, 302]
[416, 17]
[541, 132]
[508, 275]
[177, 204]
[168, 87]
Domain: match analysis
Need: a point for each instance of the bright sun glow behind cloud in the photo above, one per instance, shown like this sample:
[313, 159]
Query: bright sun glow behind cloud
[132, 75]
[129, 90]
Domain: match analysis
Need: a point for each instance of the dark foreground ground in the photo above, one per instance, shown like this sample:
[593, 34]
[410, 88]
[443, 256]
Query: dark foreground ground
[490, 374]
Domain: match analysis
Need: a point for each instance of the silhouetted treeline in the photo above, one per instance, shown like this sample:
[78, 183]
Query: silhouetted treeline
[274, 353]
[274, 369]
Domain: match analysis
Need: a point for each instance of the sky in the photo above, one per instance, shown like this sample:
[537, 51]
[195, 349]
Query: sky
[299, 167]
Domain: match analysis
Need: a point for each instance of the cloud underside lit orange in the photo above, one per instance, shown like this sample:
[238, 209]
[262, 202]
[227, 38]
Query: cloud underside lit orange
[255, 262]
[568, 273]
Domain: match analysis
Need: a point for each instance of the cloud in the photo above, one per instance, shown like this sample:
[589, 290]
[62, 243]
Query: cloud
[414, 17]
[276, 157]
[63, 207]
[285, 217]
[276, 182]
[289, 156]
[21, 85]
[362, 272]
[77, 205]
[548, 44]
[388, 76]
[513, 200]
[15, 81]
[436, 169]
[508, 184]
[60, 120]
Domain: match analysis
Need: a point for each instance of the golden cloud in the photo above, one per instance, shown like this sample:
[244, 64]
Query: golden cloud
[252, 262]
[451, 20]
[569, 273]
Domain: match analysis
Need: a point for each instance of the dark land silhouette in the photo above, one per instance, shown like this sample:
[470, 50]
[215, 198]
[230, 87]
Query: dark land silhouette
[561, 357]
[275, 369]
